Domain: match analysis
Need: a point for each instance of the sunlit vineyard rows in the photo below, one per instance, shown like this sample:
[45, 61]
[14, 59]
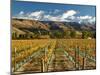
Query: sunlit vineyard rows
[49, 55]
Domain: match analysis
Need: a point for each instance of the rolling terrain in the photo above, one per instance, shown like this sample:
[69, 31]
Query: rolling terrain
[23, 26]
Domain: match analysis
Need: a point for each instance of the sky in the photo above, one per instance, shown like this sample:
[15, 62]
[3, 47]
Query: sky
[53, 11]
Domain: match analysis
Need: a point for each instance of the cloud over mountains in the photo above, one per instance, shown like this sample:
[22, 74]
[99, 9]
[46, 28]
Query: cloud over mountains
[56, 15]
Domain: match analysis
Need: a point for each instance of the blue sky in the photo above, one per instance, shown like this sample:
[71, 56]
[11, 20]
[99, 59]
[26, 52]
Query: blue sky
[23, 9]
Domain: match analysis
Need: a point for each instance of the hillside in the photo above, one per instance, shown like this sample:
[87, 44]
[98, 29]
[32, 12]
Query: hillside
[25, 26]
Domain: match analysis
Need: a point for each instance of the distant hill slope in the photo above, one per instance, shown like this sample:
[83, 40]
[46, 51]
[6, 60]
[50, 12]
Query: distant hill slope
[50, 28]
[31, 25]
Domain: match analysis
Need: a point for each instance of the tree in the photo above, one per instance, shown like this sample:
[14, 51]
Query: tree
[14, 35]
[72, 34]
[58, 34]
[86, 34]
[94, 35]
[67, 34]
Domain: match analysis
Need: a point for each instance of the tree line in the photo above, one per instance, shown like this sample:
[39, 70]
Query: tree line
[56, 34]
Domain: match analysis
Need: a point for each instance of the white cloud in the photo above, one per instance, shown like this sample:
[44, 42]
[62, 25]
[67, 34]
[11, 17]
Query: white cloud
[87, 18]
[21, 13]
[71, 17]
[52, 18]
[84, 17]
[92, 20]
[40, 15]
[68, 14]
[56, 11]
[37, 15]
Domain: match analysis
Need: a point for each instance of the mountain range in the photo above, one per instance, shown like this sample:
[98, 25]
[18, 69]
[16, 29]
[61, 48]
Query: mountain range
[25, 25]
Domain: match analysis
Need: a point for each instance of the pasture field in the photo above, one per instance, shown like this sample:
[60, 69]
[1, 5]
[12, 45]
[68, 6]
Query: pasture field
[50, 55]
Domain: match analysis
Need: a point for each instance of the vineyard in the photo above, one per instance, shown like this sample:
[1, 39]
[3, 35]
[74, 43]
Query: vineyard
[50, 55]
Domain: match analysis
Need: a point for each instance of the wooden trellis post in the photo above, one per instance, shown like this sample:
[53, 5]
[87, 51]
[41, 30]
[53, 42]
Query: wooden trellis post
[15, 59]
[83, 63]
[78, 57]
[75, 58]
[43, 62]
[42, 65]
